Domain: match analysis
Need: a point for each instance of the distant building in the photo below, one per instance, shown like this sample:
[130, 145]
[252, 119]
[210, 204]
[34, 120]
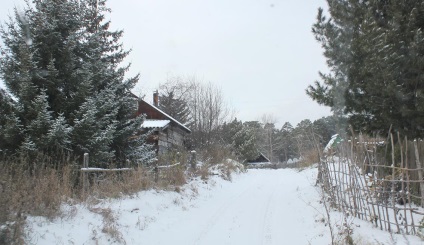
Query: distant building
[168, 133]
[261, 161]
[261, 158]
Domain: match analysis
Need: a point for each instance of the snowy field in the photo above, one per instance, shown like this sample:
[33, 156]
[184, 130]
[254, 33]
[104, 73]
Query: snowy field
[258, 207]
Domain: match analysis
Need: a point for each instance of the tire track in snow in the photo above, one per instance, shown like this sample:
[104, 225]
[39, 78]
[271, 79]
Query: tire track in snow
[266, 227]
[225, 207]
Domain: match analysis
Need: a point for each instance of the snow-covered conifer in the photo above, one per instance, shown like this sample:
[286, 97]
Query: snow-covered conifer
[62, 56]
[40, 125]
[375, 55]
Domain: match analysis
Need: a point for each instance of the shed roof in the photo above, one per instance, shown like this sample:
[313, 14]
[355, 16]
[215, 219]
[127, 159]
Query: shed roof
[151, 123]
[261, 158]
[167, 116]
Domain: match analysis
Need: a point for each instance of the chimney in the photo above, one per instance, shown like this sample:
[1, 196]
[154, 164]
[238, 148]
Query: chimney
[156, 98]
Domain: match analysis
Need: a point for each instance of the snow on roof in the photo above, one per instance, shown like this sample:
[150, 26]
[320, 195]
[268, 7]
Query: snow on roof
[168, 116]
[335, 139]
[150, 123]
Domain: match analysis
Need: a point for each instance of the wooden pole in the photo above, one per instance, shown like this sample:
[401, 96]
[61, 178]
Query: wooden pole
[408, 187]
[193, 160]
[156, 172]
[420, 172]
[403, 193]
[393, 191]
[85, 174]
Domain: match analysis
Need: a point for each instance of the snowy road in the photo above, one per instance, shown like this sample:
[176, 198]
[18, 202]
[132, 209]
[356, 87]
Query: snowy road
[260, 207]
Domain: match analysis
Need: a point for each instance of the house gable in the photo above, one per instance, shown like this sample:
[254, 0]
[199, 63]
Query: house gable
[154, 113]
[260, 159]
[167, 132]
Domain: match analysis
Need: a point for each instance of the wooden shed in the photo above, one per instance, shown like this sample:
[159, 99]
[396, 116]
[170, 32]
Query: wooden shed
[261, 158]
[167, 132]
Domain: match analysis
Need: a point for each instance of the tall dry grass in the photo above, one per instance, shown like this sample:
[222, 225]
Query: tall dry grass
[34, 187]
[215, 154]
[39, 185]
[118, 184]
[309, 158]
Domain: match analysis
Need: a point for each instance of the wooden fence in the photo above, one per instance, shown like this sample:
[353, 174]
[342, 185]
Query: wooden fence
[381, 182]
[157, 171]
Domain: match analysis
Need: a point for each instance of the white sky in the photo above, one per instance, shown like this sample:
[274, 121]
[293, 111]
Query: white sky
[260, 52]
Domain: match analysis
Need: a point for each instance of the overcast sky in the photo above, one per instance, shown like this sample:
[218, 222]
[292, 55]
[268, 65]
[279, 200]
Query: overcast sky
[261, 53]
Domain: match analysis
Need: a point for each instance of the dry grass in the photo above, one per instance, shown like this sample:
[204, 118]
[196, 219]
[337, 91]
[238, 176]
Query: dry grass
[203, 171]
[309, 158]
[227, 168]
[118, 184]
[110, 226]
[36, 190]
[215, 154]
[39, 186]
[170, 178]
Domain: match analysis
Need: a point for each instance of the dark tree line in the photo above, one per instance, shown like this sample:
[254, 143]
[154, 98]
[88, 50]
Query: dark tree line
[289, 142]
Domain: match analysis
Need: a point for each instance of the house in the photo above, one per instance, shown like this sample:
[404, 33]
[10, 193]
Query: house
[167, 132]
[261, 161]
[261, 158]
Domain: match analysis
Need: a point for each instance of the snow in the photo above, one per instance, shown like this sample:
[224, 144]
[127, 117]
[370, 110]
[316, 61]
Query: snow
[105, 169]
[149, 123]
[168, 116]
[333, 141]
[294, 160]
[258, 207]
[259, 164]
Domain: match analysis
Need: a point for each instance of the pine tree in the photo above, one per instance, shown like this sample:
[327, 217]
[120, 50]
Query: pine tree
[244, 143]
[175, 106]
[323, 129]
[303, 136]
[286, 149]
[62, 57]
[241, 139]
[375, 53]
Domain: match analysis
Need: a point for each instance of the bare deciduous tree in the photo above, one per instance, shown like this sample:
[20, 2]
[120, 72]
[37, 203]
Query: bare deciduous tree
[207, 108]
[271, 141]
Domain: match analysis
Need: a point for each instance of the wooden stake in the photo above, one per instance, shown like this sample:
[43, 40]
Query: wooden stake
[420, 172]
[85, 175]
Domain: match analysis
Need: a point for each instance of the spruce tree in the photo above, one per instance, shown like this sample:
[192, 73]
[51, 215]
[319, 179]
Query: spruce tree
[62, 64]
[10, 124]
[375, 53]
[175, 106]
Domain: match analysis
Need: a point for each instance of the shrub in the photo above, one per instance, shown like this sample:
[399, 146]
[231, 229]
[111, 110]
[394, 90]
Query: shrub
[309, 158]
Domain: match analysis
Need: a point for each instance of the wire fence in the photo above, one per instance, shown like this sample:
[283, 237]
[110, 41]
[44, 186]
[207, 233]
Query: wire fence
[377, 180]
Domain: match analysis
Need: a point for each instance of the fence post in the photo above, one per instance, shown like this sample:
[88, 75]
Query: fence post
[193, 160]
[156, 172]
[420, 172]
[84, 174]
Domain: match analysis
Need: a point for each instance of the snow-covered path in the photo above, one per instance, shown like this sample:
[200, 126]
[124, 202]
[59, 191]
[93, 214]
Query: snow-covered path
[260, 207]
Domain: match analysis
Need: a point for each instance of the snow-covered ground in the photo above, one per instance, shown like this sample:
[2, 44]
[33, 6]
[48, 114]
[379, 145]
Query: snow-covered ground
[258, 207]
